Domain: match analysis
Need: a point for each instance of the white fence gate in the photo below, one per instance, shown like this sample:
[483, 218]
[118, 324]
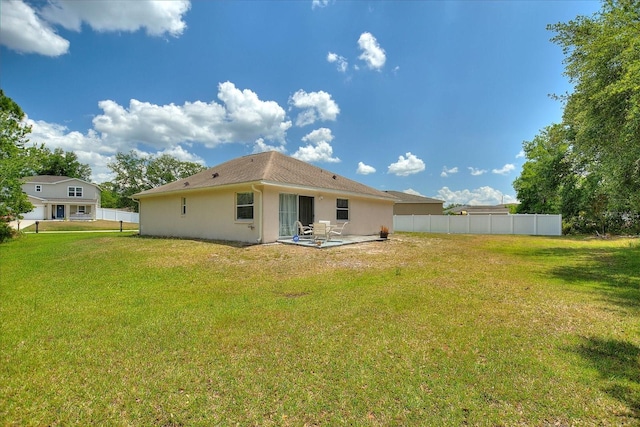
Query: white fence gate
[116, 215]
[530, 224]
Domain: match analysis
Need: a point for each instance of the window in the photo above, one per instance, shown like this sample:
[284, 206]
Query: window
[244, 206]
[75, 191]
[342, 209]
[38, 188]
[82, 209]
[184, 206]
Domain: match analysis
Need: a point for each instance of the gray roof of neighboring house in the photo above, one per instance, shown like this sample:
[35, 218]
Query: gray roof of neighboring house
[268, 168]
[481, 209]
[412, 198]
[50, 179]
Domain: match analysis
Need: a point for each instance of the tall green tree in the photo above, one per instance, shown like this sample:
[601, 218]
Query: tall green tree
[539, 187]
[60, 163]
[602, 60]
[14, 163]
[135, 173]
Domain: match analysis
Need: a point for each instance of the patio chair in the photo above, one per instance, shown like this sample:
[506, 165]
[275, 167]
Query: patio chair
[320, 231]
[338, 230]
[304, 231]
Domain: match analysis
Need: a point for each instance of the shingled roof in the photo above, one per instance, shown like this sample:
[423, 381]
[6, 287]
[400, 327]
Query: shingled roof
[48, 179]
[412, 198]
[267, 168]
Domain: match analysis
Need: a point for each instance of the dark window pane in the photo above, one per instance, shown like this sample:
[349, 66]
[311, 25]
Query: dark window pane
[245, 212]
[245, 198]
[342, 203]
[342, 214]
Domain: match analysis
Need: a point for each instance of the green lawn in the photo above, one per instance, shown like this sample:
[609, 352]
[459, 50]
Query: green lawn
[80, 226]
[114, 329]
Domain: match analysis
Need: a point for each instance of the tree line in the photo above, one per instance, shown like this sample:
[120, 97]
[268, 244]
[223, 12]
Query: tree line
[587, 167]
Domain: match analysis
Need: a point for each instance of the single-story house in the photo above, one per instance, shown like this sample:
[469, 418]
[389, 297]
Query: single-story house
[61, 197]
[411, 204]
[258, 199]
[480, 210]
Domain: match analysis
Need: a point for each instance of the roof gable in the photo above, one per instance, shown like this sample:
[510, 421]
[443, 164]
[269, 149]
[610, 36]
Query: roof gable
[269, 167]
[51, 179]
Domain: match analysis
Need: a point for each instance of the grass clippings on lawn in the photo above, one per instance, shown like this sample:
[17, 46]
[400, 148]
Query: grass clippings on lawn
[418, 330]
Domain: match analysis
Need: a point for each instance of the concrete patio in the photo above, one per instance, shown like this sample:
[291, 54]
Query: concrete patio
[343, 240]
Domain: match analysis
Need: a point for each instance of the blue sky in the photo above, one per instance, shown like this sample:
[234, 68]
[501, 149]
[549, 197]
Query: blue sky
[429, 97]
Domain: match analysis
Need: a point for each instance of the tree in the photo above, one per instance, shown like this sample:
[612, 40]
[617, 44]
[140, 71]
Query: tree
[60, 163]
[109, 195]
[134, 174]
[14, 163]
[540, 185]
[603, 62]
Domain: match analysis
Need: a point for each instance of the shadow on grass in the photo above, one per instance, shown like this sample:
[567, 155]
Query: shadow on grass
[615, 272]
[618, 363]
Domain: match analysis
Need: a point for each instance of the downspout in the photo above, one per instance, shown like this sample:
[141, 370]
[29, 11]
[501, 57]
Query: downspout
[253, 187]
[139, 226]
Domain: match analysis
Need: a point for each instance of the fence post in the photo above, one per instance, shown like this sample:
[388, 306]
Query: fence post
[121, 226]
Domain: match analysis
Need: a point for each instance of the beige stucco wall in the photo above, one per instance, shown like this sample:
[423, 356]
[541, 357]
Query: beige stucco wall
[211, 214]
[365, 215]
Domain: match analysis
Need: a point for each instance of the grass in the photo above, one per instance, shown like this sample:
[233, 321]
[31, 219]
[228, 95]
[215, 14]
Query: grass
[80, 226]
[418, 330]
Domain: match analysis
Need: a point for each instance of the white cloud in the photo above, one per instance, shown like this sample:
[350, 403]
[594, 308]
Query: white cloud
[94, 149]
[318, 135]
[372, 53]
[319, 3]
[315, 105]
[183, 155]
[504, 170]
[520, 155]
[90, 148]
[476, 171]
[319, 148]
[260, 147]
[479, 196]
[156, 17]
[407, 166]
[446, 172]
[26, 29]
[242, 118]
[23, 31]
[341, 62]
[412, 191]
[365, 169]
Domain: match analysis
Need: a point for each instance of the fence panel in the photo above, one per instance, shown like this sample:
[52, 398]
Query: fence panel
[541, 225]
[117, 215]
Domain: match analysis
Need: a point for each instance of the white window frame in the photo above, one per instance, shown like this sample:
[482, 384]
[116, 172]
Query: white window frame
[38, 188]
[81, 209]
[74, 191]
[244, 206]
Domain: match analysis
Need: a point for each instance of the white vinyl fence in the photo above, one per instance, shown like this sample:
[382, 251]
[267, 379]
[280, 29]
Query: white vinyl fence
[530, 224]
[116, 215]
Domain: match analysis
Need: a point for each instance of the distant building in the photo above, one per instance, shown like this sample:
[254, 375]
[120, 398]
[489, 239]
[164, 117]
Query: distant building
[410, 204]
[61, 197]
[480, 210]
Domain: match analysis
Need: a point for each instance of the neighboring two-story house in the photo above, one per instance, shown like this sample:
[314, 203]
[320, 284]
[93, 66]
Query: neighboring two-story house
[61, 197]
